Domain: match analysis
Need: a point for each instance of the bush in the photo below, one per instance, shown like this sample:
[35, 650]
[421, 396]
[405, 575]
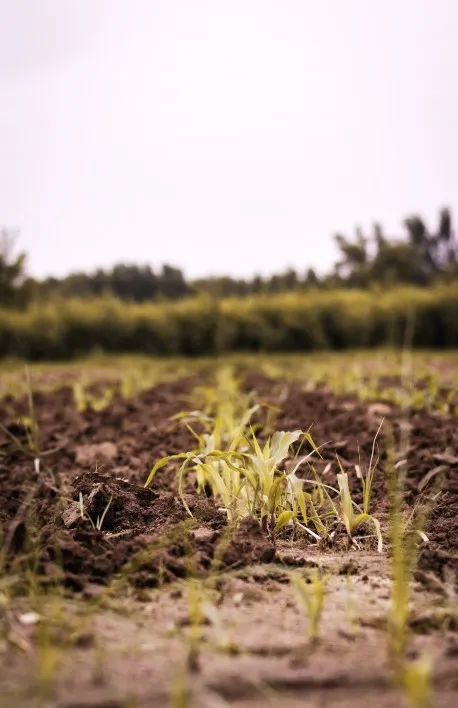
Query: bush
[303, 321]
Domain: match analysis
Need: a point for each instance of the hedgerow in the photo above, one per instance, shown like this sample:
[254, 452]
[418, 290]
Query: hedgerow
[305, 321]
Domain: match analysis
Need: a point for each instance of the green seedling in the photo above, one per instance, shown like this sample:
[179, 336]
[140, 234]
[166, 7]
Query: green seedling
[417, 683]
[414, 678]
[52, 638]
[180, 695]
[221, 637]
[311, 596]
[351, 606]
[196, 623]
[250, 478]
[30, 422]
[84, 400]
[368, 478]
[249, 483]
[350, 519]
[30, 426]
[98, 524]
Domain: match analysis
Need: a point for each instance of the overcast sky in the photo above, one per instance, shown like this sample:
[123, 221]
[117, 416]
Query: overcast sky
[222, 136]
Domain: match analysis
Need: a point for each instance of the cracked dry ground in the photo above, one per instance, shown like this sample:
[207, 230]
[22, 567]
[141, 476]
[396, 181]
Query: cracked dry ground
[111, 611]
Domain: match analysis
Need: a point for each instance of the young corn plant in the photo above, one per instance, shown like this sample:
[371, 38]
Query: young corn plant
[413, 677]
[351, 520]
[278, 497]
[180, 694]
[316, 507]
[402, 567]
[225, 412]
[250, 478]
[417, 683]
[250, 482]
[85, 400]
[311, 597]
[196, 622]
[224, 420]
[368, 478]
[269, 500]
[30, 427]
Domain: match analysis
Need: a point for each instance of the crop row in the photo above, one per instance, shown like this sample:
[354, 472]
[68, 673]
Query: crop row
[334, 320]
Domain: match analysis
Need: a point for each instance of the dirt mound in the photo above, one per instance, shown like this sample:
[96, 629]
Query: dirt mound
[114, 504]
[111, 527]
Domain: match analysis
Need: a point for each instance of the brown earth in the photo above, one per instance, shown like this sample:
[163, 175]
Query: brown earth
[93, 466]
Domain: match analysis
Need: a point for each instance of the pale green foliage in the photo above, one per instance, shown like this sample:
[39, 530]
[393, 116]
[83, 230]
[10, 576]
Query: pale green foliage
[250, 478]
[417, 683]
[30, 424]
[180, 695]
[360, 318]
[402, 566]
[368, 478]
[311, 595]
[243, 475]
[224, 413]
[351, 520]
[85, 400]
[196, 621]
[414, 677]
[248, 482]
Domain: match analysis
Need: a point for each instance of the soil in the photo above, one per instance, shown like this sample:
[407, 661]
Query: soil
[84, 521]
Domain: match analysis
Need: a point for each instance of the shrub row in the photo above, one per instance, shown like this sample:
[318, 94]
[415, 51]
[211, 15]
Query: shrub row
[289, 322]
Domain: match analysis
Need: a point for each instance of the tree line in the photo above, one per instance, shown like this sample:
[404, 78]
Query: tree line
[421, 257]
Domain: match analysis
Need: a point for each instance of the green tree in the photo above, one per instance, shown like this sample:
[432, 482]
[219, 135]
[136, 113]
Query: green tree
[12, 270]
[420, 259]
[353, 264]
[446, 243]
[311, 280]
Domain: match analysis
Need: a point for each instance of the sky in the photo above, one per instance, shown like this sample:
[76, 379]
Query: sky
[222, 136]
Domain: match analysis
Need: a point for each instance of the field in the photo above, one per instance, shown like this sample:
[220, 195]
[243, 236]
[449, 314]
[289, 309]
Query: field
[243, 531]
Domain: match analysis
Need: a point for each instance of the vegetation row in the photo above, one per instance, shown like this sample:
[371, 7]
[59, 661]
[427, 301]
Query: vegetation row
[301, 321]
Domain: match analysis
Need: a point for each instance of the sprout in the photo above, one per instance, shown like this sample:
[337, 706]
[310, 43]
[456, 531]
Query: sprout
[311, 598]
